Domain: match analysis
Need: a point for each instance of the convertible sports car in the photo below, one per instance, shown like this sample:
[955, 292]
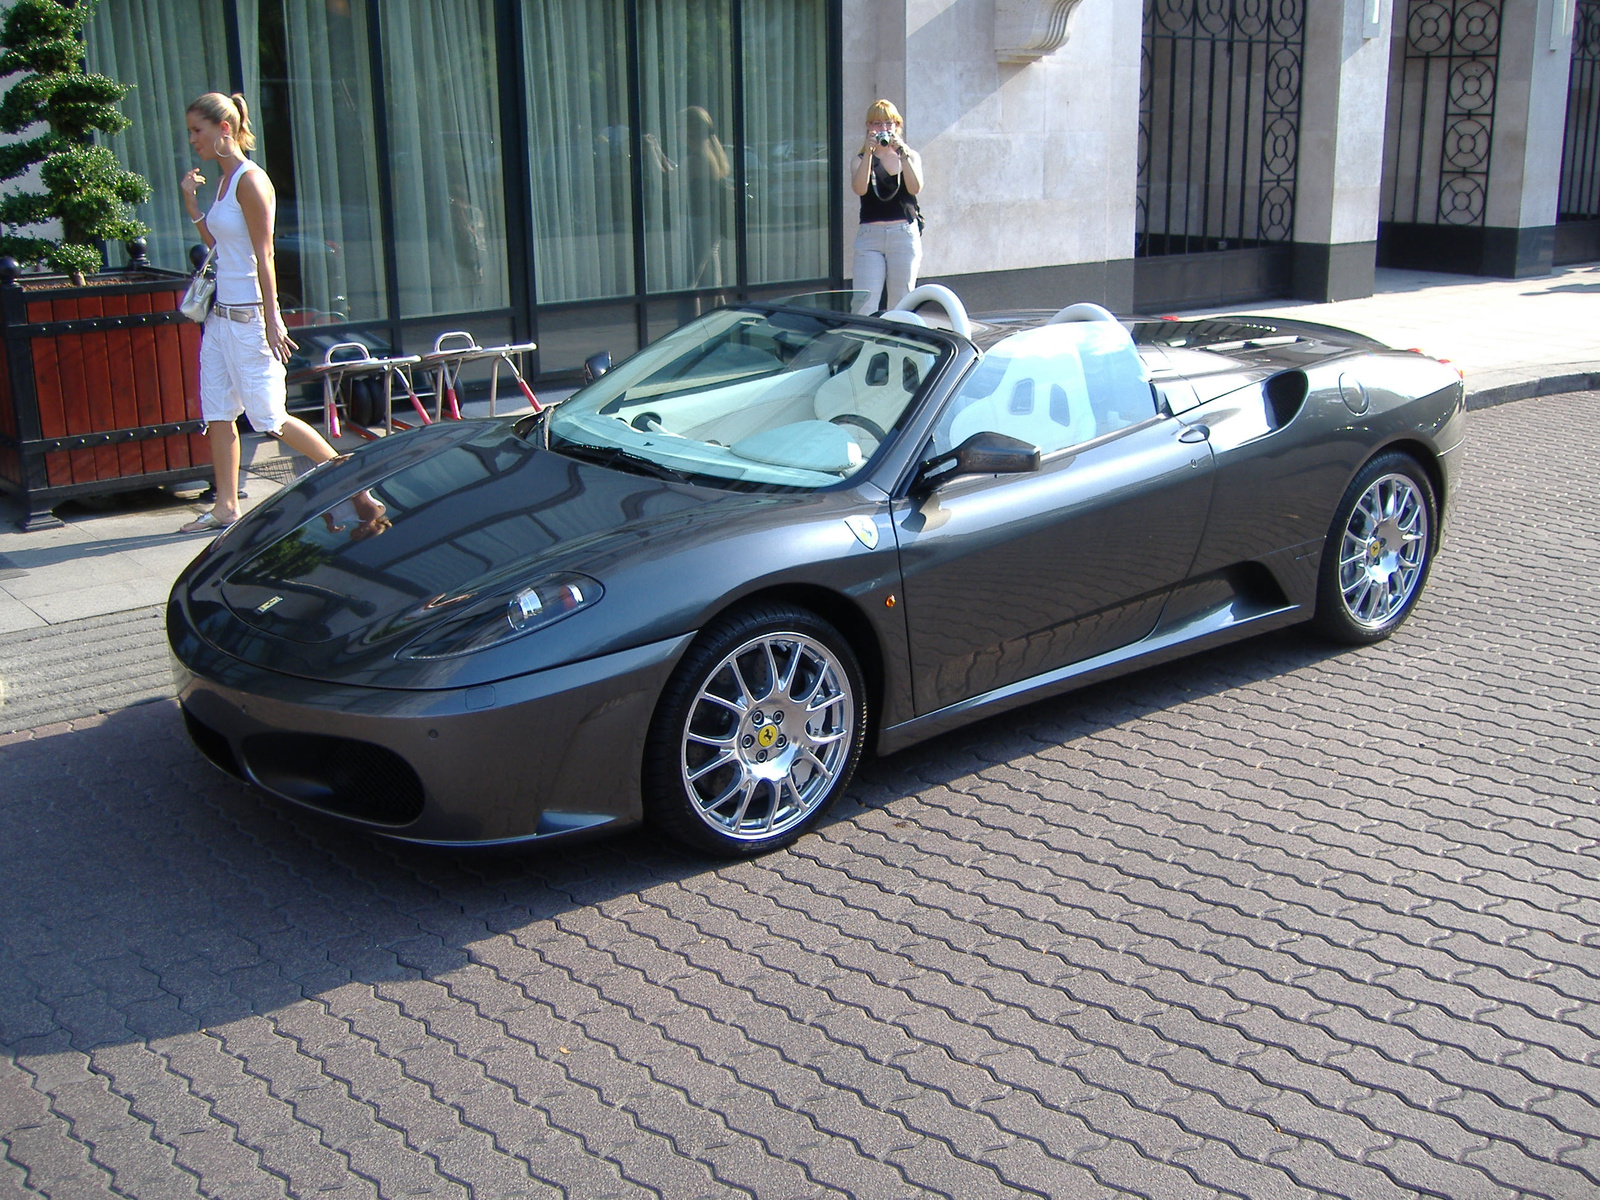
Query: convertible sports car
[692, 593]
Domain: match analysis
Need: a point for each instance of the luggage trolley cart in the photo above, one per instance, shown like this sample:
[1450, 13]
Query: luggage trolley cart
[348, 362]
[453, 350]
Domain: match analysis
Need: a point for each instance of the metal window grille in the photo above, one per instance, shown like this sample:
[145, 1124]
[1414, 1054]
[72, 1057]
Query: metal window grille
[1579, 195]
[1219, 124]
[1442, 123]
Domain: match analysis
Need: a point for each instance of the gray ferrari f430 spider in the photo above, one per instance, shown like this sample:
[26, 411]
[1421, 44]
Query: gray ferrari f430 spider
[693, 593]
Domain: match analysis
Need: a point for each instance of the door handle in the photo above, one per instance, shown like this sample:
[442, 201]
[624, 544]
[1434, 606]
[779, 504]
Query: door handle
[1196, 433]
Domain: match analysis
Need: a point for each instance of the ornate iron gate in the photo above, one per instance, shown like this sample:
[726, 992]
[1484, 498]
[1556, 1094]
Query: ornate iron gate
[1441, 120]
[1219, 124]
[1579, 197]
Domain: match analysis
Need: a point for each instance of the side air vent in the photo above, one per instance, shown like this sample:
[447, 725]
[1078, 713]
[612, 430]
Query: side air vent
[1285, 395]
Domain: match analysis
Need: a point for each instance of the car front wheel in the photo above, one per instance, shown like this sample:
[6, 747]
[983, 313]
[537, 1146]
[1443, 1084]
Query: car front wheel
[1378, 551]
[757, 732]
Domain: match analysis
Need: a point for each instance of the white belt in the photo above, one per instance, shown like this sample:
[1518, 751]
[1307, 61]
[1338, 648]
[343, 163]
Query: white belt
[238, 312]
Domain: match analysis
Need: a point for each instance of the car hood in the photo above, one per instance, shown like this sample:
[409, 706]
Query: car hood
[334, 577]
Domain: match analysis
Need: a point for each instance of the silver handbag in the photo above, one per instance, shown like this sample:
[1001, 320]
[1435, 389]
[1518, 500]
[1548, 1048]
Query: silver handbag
[202, 290]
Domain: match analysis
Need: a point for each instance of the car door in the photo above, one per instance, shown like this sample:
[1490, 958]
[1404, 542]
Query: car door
[1007, 577]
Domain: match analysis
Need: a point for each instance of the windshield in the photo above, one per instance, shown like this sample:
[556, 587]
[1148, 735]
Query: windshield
[785, 398]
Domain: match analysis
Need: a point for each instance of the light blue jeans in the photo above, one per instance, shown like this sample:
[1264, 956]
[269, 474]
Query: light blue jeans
[886, 251]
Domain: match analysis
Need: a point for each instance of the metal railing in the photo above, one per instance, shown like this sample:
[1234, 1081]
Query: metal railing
[1442, 120]
[1579, 195]
[1219, 124]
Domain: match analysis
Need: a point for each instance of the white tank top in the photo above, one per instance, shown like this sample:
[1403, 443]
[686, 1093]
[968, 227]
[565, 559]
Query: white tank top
[237, 282]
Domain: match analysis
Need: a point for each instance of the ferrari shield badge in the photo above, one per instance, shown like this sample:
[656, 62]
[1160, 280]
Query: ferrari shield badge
[865, 529]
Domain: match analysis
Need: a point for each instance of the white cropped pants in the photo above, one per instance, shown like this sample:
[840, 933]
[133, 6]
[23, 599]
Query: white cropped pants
[240, 374]
[886, 252]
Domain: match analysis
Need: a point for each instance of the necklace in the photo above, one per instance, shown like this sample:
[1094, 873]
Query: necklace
[876, 166]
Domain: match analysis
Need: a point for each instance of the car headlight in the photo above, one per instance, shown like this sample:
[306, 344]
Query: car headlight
[507, 615]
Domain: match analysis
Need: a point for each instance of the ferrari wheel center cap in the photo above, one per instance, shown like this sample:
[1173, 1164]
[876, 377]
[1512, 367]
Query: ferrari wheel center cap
[763, 738]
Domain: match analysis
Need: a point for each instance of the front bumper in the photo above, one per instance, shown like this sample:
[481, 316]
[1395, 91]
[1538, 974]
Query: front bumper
[555, 752]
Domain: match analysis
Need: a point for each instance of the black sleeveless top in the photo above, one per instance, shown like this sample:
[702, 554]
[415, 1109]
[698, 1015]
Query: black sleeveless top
[886, 198]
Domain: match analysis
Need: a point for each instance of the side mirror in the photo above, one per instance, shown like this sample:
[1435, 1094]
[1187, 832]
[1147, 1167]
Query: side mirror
[984, 453]
[596, 365]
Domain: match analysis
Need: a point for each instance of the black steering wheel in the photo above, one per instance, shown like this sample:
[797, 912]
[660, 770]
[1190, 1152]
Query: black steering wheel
[857, 419]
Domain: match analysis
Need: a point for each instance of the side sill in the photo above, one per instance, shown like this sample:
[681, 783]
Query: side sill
[566, 827]
[1205, 630]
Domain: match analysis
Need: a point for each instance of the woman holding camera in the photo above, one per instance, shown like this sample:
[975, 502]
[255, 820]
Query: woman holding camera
[887, 177]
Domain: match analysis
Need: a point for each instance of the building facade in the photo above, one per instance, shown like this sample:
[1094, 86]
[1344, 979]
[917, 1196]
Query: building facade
[590, 173]
[1196, 152]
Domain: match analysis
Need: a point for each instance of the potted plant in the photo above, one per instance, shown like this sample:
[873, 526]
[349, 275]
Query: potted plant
[98, 370]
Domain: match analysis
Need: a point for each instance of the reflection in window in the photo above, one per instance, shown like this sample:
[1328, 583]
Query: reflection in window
[316, 125]
[445, 155]
[578, 142]
[786, 162]
[686, 85]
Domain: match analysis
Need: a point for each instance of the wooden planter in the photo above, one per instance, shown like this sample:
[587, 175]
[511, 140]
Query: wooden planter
[99, 387]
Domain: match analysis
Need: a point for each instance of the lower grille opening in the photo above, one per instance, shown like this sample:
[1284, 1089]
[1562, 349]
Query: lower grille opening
[339, 775]
[212, 744]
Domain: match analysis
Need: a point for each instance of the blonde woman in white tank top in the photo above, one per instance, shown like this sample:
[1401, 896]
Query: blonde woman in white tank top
[245, 342]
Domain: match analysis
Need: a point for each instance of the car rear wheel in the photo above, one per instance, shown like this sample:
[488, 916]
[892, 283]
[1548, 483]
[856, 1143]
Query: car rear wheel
[757, 732]
[1378, 551]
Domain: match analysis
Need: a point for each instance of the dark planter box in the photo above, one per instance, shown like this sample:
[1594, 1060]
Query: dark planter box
[99, 387]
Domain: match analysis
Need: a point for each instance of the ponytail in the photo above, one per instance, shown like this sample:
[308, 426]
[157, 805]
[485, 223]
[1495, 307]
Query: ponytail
[246, 136]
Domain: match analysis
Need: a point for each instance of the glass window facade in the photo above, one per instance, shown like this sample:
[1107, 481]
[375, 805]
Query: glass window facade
[314, 121]
[580, 151]
[445, 155]
[602, 169]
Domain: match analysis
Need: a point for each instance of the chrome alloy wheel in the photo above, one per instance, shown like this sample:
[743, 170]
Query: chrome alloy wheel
[767, 735]
[1383, 551]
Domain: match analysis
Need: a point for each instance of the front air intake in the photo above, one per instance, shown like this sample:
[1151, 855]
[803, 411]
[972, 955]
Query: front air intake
[338, 775]
[211, 743]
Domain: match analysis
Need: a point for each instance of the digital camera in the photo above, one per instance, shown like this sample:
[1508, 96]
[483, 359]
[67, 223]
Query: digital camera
[883, 139]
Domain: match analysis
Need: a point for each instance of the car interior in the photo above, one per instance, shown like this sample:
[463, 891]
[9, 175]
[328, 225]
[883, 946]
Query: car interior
[792, 392]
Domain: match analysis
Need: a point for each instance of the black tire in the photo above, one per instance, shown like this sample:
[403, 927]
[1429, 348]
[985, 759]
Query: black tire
[366, 402]
[792, 732]
[1379, 550]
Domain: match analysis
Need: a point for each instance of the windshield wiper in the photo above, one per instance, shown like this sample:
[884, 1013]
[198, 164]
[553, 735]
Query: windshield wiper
[614, 456]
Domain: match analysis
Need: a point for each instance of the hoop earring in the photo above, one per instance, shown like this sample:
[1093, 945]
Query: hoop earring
[216, 146]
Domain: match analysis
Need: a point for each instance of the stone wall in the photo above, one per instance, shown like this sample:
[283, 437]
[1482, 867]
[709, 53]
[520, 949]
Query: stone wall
[1026, 115]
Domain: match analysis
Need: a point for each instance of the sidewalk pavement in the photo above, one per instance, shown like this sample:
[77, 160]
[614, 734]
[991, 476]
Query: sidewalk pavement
[1512, 338]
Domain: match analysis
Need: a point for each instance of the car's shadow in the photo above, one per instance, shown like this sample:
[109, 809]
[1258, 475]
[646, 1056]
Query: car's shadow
[1083, 713]
[148, 895]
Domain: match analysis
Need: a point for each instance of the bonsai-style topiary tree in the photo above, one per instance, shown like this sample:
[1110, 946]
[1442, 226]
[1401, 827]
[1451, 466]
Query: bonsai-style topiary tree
[87, 190]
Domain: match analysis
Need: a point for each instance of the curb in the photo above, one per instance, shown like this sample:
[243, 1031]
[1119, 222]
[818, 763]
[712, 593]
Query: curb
[1529, 389]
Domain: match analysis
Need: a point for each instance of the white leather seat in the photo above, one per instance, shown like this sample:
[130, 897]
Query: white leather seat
[877, 385]
[1045, 408]
[1059, 386]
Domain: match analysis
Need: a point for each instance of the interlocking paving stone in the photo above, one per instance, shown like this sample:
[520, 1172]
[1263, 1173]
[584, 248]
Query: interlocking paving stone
[1277, 921]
